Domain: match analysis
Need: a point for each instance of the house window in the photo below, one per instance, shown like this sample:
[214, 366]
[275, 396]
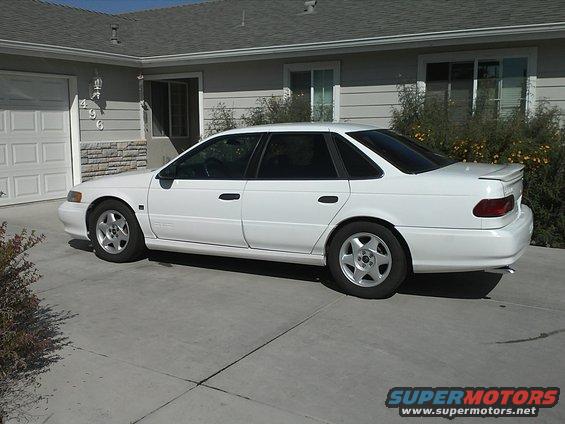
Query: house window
[319, 84]
[169, 107]
[493, 82]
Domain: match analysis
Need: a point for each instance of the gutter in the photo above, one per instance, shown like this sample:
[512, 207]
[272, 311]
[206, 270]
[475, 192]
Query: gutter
[465, 36]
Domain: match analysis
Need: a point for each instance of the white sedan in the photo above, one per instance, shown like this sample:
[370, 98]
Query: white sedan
[371, 204]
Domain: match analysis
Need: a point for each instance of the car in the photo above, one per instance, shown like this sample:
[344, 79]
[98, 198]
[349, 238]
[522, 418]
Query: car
[371, 204]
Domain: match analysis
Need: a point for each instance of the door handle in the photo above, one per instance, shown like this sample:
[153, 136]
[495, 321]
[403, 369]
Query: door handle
[328, 199]
[229, 196]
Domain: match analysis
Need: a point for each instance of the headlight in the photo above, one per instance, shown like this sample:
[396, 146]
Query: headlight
[74, 196]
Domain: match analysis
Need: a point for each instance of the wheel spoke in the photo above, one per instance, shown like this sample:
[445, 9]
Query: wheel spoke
[358, 275]
[382, 259]
[106, 241]
[121, 223]
[102, 226]
[375, 273]
[356, 245]
[111, 218]
[348, 259]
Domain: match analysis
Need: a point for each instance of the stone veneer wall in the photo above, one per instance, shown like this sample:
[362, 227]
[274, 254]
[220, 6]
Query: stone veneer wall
[112, 157]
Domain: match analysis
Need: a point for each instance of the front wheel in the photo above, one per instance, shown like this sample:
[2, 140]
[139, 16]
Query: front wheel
[367, 260]
[115, 232]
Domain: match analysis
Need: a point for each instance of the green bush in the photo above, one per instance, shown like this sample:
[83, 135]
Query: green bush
[28, 331]
[272, 110]
[535, 140]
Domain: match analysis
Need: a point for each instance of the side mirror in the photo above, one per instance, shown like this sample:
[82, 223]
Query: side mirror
[168, 174]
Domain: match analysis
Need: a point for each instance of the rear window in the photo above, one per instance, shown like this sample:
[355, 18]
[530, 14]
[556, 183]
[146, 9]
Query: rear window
[405, 154]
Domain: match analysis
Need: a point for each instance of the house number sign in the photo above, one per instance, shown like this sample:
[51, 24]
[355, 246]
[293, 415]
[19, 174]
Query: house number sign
[92, 115]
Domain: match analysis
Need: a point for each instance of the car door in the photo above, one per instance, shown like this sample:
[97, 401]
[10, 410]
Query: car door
[197, 198]
[296, 192]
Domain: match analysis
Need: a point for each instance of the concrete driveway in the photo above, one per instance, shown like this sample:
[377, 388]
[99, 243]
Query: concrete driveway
[188, 339]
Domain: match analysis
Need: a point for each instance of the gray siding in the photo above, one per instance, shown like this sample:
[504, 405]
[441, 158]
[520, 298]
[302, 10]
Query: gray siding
[369, 81]
[118, 106]
[551, 74]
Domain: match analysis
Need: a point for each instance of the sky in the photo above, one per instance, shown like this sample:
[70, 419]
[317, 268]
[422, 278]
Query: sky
[121, 6]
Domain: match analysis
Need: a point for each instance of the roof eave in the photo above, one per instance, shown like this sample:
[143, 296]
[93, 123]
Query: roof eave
[443, 38]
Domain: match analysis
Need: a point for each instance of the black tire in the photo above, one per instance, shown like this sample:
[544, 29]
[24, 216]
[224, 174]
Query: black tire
[135, 246]
[396, 274]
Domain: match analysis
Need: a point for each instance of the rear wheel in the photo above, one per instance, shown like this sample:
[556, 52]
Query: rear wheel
[367, 260]
[115, 232]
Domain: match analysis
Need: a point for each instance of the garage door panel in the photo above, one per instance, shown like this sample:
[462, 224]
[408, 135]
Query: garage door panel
[35, 148]
[55, 183]
[54, 121]
[25, 153]
[3, 155]
[53, 91]
[21, 89]
[26, 185]
[22, 120]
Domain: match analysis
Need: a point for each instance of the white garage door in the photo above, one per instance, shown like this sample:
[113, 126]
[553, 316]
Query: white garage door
[35, 146]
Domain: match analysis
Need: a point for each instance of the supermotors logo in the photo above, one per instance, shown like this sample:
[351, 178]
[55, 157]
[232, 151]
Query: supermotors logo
[452, 402]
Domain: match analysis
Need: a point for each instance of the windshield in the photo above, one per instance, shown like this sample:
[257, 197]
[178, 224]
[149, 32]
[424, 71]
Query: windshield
[404, 153]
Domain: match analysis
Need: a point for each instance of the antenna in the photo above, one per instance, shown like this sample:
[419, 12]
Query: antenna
[243, 18]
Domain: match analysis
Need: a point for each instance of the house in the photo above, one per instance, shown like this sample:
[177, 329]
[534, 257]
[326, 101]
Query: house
[84, 94]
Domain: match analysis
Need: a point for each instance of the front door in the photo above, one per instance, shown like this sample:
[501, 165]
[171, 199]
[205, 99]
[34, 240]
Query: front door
[296, 194]
[198, 198]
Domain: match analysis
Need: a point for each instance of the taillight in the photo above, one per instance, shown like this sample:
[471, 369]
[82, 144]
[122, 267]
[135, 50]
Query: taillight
[491, 208]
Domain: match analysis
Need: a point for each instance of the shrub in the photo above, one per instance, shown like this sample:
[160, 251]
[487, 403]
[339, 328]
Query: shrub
[535, 140]
[28, 331]
[222, 119]
[272, 110]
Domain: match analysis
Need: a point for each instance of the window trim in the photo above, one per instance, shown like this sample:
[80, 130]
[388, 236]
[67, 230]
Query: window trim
[265, 143]
[316, 66]
[170, 123]
[478, 55]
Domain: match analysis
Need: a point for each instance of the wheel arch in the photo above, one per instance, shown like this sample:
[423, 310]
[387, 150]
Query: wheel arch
[99, 200]
[380, 221]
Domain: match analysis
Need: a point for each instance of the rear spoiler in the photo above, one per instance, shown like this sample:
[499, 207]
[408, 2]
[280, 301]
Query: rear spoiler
[510, 172]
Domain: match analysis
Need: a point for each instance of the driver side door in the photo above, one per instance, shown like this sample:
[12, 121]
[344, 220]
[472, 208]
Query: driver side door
[197, 198]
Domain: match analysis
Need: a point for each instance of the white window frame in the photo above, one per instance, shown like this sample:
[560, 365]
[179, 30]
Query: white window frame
[531, 53]
[316, 66]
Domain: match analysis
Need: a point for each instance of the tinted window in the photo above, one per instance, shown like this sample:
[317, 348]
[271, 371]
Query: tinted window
[223, 158]
[292, 156]
[356, 163]
[405, 154]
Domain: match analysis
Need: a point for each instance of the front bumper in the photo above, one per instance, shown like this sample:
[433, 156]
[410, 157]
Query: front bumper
[454, 250]
[73, 216]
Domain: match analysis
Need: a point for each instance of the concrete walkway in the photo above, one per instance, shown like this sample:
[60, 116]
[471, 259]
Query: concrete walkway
[188, 339]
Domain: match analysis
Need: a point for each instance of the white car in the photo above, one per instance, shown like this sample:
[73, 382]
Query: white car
[371, 204]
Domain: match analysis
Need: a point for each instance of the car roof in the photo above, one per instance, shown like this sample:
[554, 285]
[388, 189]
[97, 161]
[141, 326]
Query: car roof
[303, 127]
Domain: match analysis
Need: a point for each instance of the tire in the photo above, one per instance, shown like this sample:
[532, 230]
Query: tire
[379, 264]
[121, 242]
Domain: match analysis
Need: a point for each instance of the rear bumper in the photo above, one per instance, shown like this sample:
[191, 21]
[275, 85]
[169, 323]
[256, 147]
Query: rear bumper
[453, 250]
[73, 217]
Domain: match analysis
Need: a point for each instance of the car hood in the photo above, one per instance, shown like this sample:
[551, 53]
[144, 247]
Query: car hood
[133, 179]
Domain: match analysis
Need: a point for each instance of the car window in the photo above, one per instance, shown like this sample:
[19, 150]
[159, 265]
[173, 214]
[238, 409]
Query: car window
[356, 163]
[223, 158]
[293, 156]
[405, 154]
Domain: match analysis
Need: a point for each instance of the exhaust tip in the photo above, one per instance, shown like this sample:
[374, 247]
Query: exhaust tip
[502, 270]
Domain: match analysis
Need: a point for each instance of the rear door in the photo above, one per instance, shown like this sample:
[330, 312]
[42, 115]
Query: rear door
[296, 193]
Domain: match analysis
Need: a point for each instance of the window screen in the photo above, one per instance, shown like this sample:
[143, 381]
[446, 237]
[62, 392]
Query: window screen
[295, 156]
